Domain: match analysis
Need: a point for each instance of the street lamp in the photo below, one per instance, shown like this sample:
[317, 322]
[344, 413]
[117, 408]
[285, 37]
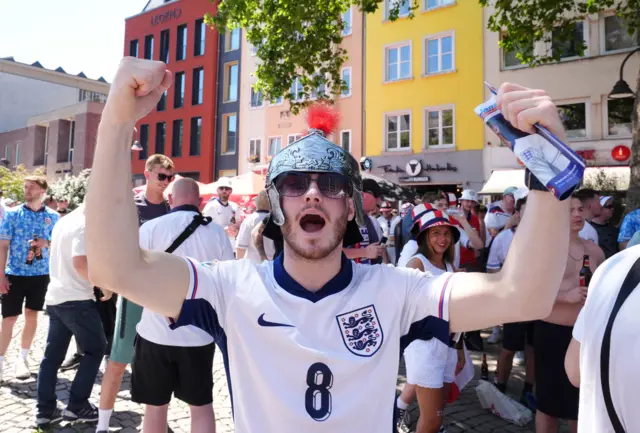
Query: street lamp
[621, 89]
[136, 144]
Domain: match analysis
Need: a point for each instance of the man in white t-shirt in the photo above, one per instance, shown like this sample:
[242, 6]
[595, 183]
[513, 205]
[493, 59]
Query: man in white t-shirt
[387, 222]
[178, 361]
[245, 247]
[312, 339]
[499, 213]
[224, 212]
[72, 312]
[592, 209]
[583, 357]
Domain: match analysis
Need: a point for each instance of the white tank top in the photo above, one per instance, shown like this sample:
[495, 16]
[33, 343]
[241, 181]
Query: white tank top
[429, 267]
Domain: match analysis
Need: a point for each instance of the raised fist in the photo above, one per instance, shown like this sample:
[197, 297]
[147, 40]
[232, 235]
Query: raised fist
[136, 90]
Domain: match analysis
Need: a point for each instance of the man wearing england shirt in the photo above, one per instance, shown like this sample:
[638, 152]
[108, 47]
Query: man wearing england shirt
[245, 247]
[312, 339]
[388, 223]
[225, 213]
[178, 361]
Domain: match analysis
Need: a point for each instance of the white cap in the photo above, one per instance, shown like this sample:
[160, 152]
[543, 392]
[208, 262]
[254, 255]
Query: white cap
[469, 194]
[604, 199]
[493, 222]
[521, 193]
[223, 182]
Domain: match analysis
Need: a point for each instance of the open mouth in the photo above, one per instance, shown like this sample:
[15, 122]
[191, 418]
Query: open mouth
[312, 223]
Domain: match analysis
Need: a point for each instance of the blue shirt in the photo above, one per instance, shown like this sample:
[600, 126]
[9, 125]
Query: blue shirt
[18, 226]
[630, 225]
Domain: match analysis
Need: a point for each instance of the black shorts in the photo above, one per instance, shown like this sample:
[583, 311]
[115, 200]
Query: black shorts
[157, 371]
[33, 289]
[517, 335]
[555, 395]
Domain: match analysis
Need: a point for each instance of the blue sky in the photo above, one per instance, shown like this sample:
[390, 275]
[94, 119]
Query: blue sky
[79, 35]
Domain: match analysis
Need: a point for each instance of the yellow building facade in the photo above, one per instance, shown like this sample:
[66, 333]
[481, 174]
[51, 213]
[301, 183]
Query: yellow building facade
[424, 77]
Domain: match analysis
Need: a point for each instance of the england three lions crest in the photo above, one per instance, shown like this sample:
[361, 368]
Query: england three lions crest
[361, 331]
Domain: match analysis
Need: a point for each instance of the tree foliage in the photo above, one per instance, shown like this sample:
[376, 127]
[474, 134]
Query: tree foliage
[295, 39]
[603, 182]
[12, 181]
[525, 22]
[72, 188]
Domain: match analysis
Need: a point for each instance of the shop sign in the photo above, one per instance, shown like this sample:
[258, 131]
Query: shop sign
[166, 17]
[415, 179]
[415, 167]
[621, 153]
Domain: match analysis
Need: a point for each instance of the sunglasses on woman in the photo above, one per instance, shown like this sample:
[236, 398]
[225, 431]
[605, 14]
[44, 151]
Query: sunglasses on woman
[331, 185]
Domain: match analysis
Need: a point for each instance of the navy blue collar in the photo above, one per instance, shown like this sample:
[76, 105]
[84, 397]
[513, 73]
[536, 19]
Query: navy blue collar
[221, 204]
[186, 207]
[25, 207]
[262, 211]
[333, 286]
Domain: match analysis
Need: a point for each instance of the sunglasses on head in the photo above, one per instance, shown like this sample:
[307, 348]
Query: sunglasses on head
[162, 177]
[331, 185]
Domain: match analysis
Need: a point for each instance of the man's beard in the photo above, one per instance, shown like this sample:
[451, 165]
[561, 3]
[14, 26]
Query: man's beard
[314, 252]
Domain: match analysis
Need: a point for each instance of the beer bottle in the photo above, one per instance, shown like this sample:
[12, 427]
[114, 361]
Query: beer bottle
[585, 272]
[38, 249]
[484, 369]
[32, 252]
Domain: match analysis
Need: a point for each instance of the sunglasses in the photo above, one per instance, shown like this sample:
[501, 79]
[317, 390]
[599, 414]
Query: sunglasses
[609, 206]
[162, 177]
[224, 188]
[331, 185]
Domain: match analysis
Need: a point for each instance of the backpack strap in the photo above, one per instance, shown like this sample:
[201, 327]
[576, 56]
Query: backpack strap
[629, 284]
[198, 220]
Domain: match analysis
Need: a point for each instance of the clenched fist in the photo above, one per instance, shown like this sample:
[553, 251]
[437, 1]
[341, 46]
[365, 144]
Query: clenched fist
[136, 90]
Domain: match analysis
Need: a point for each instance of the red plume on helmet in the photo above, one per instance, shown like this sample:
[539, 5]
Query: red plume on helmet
[323, 117]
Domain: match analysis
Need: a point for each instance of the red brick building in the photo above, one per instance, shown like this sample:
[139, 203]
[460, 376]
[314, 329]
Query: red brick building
[182, 126]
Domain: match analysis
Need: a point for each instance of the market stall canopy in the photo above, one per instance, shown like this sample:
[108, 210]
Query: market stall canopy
[245, 187]
[390, 190]
[502, 179]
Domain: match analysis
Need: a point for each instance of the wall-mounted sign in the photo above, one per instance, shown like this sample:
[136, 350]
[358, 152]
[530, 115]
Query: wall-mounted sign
[621, 153]
[414, 167]
[417, 179]
[587, 155]
[166, 16]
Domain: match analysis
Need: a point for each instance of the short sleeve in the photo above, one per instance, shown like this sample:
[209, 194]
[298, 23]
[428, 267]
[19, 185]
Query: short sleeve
[205, 303]
[244, 234]
[496, 256]
[408, 251]
[6, 226]
[629, 227]
[77, 244]
[426, 309]
[49, 229]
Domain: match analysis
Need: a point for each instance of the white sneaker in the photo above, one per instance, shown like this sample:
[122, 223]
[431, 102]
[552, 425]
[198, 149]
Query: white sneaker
[496, 335]
[22, 369]
[518, 358]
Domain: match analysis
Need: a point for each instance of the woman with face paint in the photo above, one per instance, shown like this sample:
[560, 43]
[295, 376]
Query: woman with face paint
[430, 364]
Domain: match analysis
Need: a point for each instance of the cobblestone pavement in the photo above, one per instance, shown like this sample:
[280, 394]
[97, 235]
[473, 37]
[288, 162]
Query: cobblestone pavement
[17, 399]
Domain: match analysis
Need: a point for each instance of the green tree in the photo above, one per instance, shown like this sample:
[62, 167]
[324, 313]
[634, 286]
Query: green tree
[525, 22]
[12, 181]
[72, 188]
[603, 182]
[296, 39]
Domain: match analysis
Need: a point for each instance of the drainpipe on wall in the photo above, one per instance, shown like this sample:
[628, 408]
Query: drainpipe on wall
[215, 117]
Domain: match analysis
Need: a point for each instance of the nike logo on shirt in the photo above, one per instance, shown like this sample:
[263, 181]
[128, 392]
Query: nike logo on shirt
[263, 322]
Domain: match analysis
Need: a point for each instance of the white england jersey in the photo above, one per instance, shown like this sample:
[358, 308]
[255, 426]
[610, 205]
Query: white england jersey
[314, 362]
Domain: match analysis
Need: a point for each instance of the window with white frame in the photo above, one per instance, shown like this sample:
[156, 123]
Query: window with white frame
[275, 144]
[574, 117]
[292, 138]
[433, 4]
[277, 101]
[398, 62]
[346, 20]
[568, 48]
[616, 34]
[297, 90]
[440, 129]
[439, 54]
[346, 81]
[255, 150]
[619, 117]
[398, 131]
[256, 98]
[345, 140]
[510, 59]
[404, 10]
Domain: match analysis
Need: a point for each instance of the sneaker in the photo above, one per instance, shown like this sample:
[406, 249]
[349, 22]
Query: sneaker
[529, 400]
[89, 413]
[518, 358]
[71, 363]
[496, 336]
[43, 420]
[22, 369]
[404, 420]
